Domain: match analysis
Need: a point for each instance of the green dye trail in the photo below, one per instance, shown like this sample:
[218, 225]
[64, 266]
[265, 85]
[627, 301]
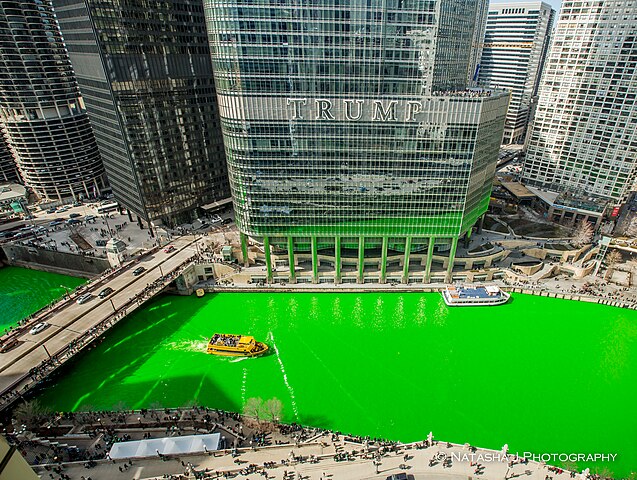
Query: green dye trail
[542, 375]
[24, 291]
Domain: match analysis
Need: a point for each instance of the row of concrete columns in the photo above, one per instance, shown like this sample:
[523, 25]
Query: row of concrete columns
[361, 258]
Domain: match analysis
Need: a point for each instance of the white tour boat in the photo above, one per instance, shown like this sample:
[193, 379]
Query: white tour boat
[474, 295]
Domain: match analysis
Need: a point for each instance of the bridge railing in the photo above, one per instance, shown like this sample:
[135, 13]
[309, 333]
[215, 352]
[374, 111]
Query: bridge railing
[38, 373]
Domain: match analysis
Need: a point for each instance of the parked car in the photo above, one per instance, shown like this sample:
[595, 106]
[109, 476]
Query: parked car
[51, 210]
[88, 218]
[169, 249]
[216, 219]
[226, 221]
[72, 221]
[84, 298]
[100, 243]
[38, 328]
[139, 270]
[75, 215]
[55, 223]
[105, 292]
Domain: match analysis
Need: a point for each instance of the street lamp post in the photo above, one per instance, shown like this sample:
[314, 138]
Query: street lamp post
[160, 271]
[112, 304]
[66, 289]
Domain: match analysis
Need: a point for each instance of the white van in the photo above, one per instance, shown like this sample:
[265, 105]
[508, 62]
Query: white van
[84, 298]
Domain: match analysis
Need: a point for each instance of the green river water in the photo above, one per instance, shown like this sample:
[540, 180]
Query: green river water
[543, 375]
[24, 291]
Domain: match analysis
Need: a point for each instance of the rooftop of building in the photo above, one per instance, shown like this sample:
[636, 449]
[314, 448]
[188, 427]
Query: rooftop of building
[10, 192]
[572, 201]
[518, 190]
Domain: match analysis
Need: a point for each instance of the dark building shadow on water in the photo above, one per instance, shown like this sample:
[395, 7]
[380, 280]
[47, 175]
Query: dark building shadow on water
[174, 392]
[121, 350]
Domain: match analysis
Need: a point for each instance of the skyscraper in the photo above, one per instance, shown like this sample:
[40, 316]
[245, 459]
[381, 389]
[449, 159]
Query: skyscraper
[348, 125]
[515, 45]
[41, 107]
[583, 142]
[145, 70]
[8, 168]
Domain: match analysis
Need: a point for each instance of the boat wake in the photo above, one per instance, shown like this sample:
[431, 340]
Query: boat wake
[244, 381]
[285, 377]
[240, 359]
[193, 346]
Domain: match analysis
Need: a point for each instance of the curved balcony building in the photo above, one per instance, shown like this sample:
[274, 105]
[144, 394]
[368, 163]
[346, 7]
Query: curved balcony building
[8, 169]
[41, 107]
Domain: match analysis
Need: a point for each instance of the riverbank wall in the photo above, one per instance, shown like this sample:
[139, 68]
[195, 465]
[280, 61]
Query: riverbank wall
[54, 262]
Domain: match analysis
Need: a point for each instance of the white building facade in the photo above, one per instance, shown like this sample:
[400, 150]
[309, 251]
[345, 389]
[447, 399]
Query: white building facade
[515, 45]
[583, 141]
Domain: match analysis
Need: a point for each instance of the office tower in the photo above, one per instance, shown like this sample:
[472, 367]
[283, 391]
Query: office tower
[515, 45]
[8, 168]
[41, 107]
[348, 125]
[583, 142]
[145, 71]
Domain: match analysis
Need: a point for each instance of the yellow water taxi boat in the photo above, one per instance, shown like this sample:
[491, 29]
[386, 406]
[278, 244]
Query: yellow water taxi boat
[200, 292]
[235, 345]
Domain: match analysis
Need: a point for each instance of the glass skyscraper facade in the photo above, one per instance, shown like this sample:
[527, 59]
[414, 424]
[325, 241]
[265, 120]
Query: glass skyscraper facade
[145, 70]
[347, 124]
[583, 141]
[43, 113]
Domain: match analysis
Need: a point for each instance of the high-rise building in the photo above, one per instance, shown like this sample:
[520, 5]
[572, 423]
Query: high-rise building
[515, 45]
[583, 142]
[348, 126]
[41, 107]
[145, 71]
[8, 168]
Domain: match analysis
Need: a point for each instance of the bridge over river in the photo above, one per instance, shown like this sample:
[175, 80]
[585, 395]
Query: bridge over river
[29, 358]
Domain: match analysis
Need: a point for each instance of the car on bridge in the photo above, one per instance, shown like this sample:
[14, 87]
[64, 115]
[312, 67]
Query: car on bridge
[105, 292]
[139, 271]
[38, 328]
[169, 249]
[84, 298]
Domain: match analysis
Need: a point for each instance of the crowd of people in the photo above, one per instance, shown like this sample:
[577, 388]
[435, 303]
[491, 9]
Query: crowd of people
[477, 92]
[105, 428]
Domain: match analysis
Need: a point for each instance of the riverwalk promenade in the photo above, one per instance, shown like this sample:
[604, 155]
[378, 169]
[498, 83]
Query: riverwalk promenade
[72, 326]
[256, 450]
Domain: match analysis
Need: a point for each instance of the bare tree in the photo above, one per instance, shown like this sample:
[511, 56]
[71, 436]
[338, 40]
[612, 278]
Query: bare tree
[583, 234]
[272, 409]
[254, 408]
[612, 259]
[30, 413]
